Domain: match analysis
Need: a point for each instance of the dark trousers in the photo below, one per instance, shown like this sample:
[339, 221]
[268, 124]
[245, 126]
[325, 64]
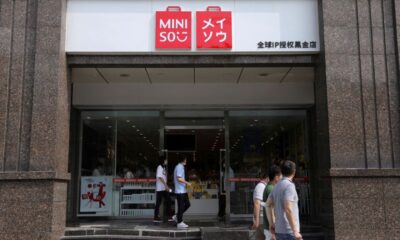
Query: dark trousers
[167, 203]
[183, 204]
[222, 205]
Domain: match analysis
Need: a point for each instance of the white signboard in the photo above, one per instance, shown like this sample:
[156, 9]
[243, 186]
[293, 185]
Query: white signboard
[96, 195]
[129, 26]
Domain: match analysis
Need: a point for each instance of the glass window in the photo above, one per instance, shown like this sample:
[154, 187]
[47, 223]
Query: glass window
[119, 150]
[259, 139]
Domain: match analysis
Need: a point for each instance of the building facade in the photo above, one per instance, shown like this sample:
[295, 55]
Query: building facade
[351, 116]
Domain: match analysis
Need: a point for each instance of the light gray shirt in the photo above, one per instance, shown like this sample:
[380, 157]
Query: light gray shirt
[285, 190]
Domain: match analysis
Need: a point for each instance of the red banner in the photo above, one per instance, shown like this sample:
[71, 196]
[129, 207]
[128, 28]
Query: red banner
[214, 29]
[173, 29]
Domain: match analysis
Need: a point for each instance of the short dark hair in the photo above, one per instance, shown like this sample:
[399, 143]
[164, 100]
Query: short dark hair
[161, 159]
[274, 170]
[288, 168]
[183, 158]
[263, 174]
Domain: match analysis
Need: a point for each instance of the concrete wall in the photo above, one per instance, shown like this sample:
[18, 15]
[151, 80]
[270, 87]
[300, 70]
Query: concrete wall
[34, 119]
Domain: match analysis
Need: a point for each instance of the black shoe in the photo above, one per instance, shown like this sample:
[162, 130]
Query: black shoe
[157, 220]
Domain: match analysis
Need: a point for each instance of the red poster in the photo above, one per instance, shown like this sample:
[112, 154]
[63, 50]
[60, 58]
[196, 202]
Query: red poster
[214, 28]
[173, 29]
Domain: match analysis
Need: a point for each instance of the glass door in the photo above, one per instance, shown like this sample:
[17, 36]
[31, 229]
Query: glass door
[199, 139]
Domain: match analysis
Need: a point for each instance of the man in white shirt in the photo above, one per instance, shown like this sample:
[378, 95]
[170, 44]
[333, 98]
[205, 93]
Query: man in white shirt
[257, 199]
[162, 190]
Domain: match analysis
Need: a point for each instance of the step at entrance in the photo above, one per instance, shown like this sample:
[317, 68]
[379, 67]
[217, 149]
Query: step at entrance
[161, 233]
[134, 233]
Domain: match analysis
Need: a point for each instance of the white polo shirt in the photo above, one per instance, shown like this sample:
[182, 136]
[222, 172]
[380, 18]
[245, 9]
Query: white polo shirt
[161, 173]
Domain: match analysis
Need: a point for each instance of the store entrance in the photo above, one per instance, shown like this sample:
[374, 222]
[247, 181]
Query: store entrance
[201, 142]
[227, 150]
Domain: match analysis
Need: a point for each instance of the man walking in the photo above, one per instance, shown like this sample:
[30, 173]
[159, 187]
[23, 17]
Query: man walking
[284, 200]
[162, 190]
[180, 192]
[257, 199]
[274, 176]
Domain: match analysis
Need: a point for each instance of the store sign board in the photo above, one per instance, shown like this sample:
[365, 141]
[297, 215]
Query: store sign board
[173, 29]
[214, 29]
[137, 27]
[96, 194]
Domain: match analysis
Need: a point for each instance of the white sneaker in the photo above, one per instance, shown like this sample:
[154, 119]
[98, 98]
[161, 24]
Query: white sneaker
[182, 225]
[174, 218]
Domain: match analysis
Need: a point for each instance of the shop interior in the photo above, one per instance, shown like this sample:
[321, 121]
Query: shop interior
[125, 145]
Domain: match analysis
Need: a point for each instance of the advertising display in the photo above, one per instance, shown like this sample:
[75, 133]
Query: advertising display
[173, 29]
[214, 28]
[96, 195]
[192, 27]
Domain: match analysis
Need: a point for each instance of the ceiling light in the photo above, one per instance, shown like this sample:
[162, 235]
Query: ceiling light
[109, 126]
[88, 117]
[128, 121]
[255, 120]
[133, 126]
[251, 125]
[107, 117]
[141, 134]
[137, 130]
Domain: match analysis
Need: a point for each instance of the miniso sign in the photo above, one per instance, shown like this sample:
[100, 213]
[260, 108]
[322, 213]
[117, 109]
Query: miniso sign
[192, 27]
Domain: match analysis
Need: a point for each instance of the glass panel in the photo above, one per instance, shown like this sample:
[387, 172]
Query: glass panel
[119, 150]
[259, 139]
[98, 145]
[98, 163]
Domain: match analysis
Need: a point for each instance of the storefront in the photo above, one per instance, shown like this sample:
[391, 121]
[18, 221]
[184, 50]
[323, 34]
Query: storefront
[93, 91]
[231, 122]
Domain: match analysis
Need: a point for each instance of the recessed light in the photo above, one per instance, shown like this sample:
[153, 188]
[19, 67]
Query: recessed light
[88, 117]
[255, 120]
[141, 134]
[137, 130]
[128, 121]
[133, 126]
[109, 126]
[251, 125]
[107, 117]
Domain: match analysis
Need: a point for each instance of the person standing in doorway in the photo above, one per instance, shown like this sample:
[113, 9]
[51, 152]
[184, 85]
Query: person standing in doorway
[181, 192]
[283, 200]
[274, 176]
[257, 199]
[162, 189]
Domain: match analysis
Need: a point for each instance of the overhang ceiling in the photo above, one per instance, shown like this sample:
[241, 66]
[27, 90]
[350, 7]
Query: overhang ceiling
[235, 75]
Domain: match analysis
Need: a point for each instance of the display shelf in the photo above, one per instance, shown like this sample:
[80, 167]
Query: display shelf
[137, 199]
[136, 212]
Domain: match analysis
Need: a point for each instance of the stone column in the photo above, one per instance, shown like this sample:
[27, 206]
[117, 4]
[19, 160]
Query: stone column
[360, 59]
[34, 119]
